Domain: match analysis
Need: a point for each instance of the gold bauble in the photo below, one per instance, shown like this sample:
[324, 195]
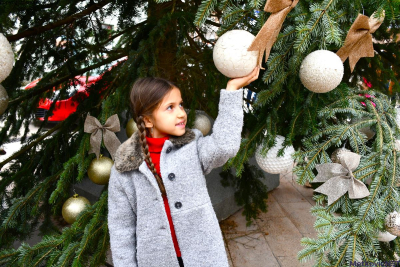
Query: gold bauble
[73, 207]
[100, 169]
[3, 99]
[131, 127]
[202, 123]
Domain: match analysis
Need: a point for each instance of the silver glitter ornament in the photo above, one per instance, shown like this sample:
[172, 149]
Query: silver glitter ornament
[271, 163]
[321, 71]
[335, 157]
[392, 223]
[6, 58]
[202, 123]
[3, 99]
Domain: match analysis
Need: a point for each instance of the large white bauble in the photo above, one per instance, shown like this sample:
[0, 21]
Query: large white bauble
[386, 237]
[230, 54]
[3, 99]
[321, 71]
[202, 123]
[6, 58]
[271, 163]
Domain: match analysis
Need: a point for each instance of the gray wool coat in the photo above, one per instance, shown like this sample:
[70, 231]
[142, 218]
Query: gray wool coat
[138, 224]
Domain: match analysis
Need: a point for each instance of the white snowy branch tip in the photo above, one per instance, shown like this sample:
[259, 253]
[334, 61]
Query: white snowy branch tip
[6, 58]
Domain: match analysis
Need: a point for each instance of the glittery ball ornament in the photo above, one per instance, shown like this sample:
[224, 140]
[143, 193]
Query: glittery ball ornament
[6, 58]
[392, 223]
[73, 207]
[398, 116]
[3, 99]
[386, 237]
[335, 157]
[202, 123]
[99, 170]
[321, 71]
[230, 54]
[131, 127]
[271, 163]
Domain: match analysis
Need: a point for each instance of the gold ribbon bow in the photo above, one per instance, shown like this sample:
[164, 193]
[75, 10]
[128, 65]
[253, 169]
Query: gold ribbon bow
[358, 41]
[339, 178]
[266, 37]
[93, 126]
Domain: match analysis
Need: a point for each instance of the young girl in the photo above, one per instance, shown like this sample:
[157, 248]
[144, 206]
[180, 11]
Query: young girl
[160, 213]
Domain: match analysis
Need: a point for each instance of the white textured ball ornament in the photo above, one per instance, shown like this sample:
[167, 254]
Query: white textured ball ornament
[271, 163]
[230, 54]
[321, 71]
[6, 58]
[202, 123]
[3, 99]
[392, 223]
[386, 237]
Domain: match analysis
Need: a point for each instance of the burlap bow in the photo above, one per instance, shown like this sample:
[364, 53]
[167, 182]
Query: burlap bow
[358, 41]
[339, 178]
[266, 37]
[93, 126]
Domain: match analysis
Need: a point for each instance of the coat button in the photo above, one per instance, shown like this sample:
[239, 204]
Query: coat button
[169, 149]
[171, 176]
[178, 205]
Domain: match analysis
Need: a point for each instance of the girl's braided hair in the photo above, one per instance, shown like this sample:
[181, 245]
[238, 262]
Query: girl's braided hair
[145, 97]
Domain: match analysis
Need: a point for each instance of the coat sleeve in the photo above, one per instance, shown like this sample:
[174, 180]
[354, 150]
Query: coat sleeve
[224, 142]
[121, 223]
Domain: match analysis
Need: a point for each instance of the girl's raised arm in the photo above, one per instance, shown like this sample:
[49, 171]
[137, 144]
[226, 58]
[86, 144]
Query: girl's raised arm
[224, 143]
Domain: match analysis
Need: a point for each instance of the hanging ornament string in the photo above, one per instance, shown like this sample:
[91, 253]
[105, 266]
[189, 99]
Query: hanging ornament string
[339, 178]
[358, 41]
[268, 34]
[93, 126]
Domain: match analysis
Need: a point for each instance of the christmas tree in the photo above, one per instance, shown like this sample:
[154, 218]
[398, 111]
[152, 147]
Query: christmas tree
[60, 41]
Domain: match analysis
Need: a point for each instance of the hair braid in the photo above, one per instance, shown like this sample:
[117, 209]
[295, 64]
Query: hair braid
[145, 147]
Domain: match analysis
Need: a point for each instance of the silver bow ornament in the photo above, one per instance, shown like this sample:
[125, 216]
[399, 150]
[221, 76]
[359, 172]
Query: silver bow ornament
[339, 178]
[111, 141]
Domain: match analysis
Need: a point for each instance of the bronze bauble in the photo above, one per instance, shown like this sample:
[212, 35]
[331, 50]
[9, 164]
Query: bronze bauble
[131, 127]
[73, 207]
[100, 169]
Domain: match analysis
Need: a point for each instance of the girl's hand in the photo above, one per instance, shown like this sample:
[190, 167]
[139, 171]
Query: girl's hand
[235, 84]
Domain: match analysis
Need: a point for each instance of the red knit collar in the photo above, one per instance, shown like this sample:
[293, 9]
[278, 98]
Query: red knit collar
[156, 144]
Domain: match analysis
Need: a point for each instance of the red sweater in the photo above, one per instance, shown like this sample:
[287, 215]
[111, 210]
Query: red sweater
[155, 147]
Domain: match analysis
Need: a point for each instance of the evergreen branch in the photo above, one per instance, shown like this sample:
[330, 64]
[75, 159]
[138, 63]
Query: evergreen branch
[40, 29]
[342, 256]
[24, 149]
[205, 9]
[213, 23]
[24, 201]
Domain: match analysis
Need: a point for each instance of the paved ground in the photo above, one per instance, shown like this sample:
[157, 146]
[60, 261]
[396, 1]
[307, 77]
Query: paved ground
[274, 239]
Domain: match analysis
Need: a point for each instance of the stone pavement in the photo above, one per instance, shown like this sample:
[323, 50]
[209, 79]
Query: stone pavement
[274, 238]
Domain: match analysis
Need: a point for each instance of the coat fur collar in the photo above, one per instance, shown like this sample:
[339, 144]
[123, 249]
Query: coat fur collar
[130, 155]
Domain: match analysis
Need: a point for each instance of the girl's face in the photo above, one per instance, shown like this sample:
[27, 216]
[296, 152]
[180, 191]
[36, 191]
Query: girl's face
[168, 115]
